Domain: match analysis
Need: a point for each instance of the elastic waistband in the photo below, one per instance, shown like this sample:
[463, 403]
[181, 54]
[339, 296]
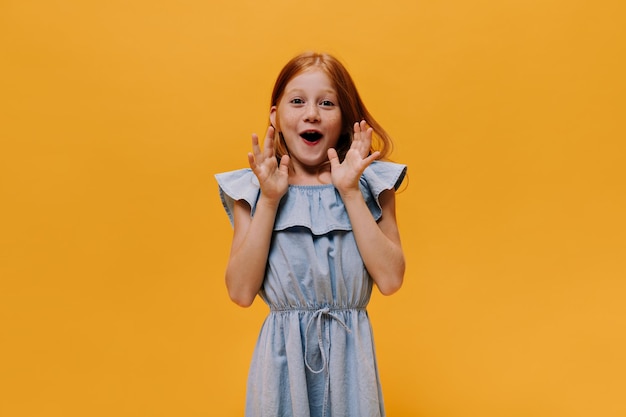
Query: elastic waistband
[314, 309]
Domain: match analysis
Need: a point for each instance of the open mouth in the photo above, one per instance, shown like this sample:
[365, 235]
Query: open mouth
[311, 136]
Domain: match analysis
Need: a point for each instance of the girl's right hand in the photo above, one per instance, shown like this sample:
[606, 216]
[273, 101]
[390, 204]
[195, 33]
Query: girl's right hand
[273, 177]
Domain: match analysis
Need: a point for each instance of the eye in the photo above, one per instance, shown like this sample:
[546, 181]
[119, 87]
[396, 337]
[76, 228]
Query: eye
[297, 101]
[327, 103]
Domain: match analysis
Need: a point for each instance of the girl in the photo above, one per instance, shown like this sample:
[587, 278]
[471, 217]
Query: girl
[314, 229]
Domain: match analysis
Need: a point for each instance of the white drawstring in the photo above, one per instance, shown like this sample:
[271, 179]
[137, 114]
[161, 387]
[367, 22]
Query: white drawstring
[317, 317]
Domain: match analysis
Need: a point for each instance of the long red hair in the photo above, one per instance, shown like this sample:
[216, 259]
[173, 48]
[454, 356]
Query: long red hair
[352, 107]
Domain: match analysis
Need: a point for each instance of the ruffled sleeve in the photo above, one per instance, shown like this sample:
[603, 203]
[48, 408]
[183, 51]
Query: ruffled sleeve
[378, 177]
[317, 208]
[236, 185]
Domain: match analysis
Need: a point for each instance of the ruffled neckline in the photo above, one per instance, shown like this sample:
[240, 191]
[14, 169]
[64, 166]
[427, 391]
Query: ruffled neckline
[317, 207]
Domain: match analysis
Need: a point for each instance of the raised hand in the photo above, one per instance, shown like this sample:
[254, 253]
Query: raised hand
[345, 175]
[272, 176]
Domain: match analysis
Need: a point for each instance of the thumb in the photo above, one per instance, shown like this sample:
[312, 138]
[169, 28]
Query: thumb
[371, 158]
[284, 164]
[333, 157]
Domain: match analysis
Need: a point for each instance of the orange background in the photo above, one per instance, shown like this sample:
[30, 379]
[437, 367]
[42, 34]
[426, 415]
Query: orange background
[115, 115]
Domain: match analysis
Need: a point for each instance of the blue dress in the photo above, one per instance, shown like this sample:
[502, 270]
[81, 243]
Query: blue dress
[315, 353]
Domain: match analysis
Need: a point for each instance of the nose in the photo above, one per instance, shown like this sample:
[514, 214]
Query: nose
[311, 113]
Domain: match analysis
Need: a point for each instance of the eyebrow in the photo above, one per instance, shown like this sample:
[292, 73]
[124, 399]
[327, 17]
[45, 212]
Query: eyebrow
[300, 90]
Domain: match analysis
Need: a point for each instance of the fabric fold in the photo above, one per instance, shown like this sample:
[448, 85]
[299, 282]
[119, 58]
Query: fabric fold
[318, 208]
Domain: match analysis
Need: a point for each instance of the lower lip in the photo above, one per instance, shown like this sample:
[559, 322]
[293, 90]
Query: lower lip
[311, 143]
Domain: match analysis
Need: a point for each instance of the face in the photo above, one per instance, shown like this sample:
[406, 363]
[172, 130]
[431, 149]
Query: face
[309, 118]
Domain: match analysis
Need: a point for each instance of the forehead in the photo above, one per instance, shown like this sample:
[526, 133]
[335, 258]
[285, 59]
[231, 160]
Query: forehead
[311, 79]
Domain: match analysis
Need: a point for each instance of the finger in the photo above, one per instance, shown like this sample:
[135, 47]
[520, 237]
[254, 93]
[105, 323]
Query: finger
[371, 158]
[362, 139]
[270, 132]
[333, 157]
[284, 165]
[368, 137]
[363, 125]
[256, 149]
[365, 129]
[251, 161]
[362, 133]
[368, 132]
[268, 147]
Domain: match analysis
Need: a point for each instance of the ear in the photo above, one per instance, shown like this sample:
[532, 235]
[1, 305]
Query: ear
[273, 117]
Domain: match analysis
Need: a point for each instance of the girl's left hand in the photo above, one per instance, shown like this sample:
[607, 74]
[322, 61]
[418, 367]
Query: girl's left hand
[345, 175]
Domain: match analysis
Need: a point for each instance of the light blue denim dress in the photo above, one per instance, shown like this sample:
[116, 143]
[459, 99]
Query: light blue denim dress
[315, 353]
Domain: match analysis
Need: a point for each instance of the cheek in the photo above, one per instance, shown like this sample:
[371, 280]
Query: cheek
[338, 122]
[285, 119]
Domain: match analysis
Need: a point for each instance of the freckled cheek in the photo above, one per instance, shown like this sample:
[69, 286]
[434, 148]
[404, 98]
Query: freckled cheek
[336, 121]
[293, 117]
[283, 121]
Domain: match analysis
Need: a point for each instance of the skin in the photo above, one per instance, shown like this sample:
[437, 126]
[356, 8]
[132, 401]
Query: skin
[310, 104]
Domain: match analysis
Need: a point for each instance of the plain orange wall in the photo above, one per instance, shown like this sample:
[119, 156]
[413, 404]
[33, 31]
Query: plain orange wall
[115, 115]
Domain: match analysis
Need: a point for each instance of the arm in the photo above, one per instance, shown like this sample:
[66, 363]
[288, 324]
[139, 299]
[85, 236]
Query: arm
[378, 243]
[245, 270]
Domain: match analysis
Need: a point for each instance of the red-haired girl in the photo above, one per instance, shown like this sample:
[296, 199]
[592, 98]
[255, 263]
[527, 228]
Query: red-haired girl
[314, 229]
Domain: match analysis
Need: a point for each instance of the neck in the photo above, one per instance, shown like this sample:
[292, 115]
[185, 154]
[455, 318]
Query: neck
[310, 176]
